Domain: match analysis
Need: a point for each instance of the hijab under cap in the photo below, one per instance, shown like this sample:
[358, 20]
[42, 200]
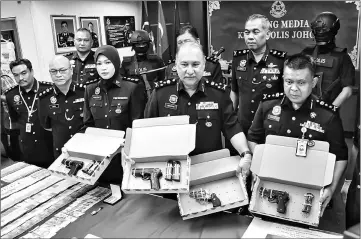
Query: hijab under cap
[112, 54]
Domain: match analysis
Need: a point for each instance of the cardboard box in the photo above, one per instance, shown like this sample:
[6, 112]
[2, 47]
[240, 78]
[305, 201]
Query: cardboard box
[278, 168]
[99, 145]
[150, 144]
[215, 172]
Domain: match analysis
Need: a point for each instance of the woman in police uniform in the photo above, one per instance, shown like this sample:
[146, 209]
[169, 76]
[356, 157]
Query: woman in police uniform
[112, 103]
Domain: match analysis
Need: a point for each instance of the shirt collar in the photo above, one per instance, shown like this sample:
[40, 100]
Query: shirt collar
[264, 57]
[200, 86]
[90, 55]
[33, 89]
[307, 105]
[57, 91]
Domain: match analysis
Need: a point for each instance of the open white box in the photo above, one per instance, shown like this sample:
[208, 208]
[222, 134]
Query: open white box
[278, 168]
[150, 144]
[215, 172]
[96, 144]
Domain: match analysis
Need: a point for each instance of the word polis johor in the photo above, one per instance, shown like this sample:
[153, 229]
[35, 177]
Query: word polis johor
[288, 34]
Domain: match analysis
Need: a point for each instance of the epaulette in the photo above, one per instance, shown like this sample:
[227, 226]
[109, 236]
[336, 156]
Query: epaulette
[45, 92]
[272, 96]
[46, 82]
[9, 89]
[127, 59]
[338, 49]
[330, 107]
[240, 52]
[83, 85]
[219, 86]
[171, 61]
[277, 53]
[68, 55]
[134, 80]
[162, 83]
[212, 59]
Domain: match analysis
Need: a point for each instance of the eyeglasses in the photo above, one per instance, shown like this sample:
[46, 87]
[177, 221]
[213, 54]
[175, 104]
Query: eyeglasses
[61, 71]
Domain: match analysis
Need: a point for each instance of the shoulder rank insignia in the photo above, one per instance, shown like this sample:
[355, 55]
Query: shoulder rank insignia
[134, 80]
[171, 61]
[240, 52]
[215, 85]
[272, 97]
[46, 82]
[160, 84]
[83, 85]
[330, 107]
[45, 92]
[277, 53]
[9, 89]
[212, 59]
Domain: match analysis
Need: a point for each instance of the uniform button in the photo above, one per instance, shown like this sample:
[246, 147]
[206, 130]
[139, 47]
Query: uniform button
[310, 135]
[28, 98]
[71, 135]
[33, 132]
[189, 103]
[106, 116]
[293, 118]
[69, 127]
[252, 101]
[107, 126]
[269, 126]
[36, 141]
[254, 68]
[81, 72]
[252, 112]
[67, 110]
[81, 108]
[105, 104]
[56, 149]
[81, 79]
[66, 101]
[254, 79]
[252, 122]
[253, 90]
[288, 131]
[82, 64]
[53, 113]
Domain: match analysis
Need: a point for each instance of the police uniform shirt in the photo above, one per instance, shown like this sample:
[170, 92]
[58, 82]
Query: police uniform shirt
[210, 108]
[212, 70]
[114, 106]
[133, 67]
[36, 142]
[332, 64]
[276, 116]
[83, 71]
[65, 39]
[61, 113]
[251, 80]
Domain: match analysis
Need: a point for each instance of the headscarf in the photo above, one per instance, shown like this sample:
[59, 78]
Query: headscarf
[112, 54]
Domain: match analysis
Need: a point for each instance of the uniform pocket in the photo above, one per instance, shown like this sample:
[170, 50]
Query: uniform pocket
[119, 107]
[96, 108]
[208, 118]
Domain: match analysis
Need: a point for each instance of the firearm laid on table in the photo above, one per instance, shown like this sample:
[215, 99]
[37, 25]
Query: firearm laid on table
[74, 166]
[275, 196]
[202, 196]
[152, 174]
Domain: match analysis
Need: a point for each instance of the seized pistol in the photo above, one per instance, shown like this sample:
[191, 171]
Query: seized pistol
[308, 202]
[152, 174]
[202, 196]
[172, 171]
[74, 166]
[275, 196]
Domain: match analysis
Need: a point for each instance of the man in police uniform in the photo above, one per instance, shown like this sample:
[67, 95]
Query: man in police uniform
[256, 70]
[212, 70]
[206, 102]
[298, 114]
[127, 34]
[82, 61]
[334, 66]
[142, 62]
[61, 106]
[94, 36]
[66, 38]
[36, 143]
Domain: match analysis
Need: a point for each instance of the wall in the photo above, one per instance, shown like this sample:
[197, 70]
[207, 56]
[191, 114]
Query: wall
[35, 31]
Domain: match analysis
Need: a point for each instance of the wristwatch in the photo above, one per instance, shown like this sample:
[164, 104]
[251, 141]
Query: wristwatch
[246, 152]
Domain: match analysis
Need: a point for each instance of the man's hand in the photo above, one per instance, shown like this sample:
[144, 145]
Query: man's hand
[325, 198]
[244, 166]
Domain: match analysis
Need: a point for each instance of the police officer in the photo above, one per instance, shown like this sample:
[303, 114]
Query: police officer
[113, 103]
[296, 113]
[36, 143]
[127, 34]
[82, 61]
[334, 66]
[94, 36]
[66, 38]
[212, 69]
[206, 102]
[256, 70]
[61, 105]
[142, 62]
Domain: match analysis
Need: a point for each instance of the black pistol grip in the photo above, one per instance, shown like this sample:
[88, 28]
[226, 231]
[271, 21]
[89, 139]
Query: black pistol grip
[281, 205]
[215, 200]
[154, 179]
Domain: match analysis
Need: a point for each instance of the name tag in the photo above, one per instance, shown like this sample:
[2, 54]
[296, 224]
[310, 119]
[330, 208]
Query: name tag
[207, 106]
[78, 100]
[273, 117]
[97, 97]
[270, 71]
[89, 66]
[120, 98]
[54, 106]
[170, 106]
[326, 62]
[206, 73]
[241, 68]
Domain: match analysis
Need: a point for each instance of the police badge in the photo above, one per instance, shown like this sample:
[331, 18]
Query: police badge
[16, 98]
[173, 99]
[278, 9]
[53, 99]
[242, 65]
[97, 91]
[276, 110]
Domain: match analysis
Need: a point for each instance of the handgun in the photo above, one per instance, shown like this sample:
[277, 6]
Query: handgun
[74, 166]
[152, 174]
[202, 196]
[275, 196]
[308, 202]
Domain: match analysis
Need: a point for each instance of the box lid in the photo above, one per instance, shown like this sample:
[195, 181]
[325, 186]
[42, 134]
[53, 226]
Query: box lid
[162, 137]
[276, 160]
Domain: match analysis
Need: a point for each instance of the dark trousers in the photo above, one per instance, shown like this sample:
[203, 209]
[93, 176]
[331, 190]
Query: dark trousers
[353, 199]
[113, 174]
[12, 148]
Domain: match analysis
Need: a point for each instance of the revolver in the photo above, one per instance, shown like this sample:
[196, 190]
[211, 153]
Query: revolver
[275, 196]
[202, 196]
[74, 166]
[152, 174]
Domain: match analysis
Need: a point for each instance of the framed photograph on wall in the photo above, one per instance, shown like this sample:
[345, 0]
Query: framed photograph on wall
[64, 28]
[93, 25]
[118, 30]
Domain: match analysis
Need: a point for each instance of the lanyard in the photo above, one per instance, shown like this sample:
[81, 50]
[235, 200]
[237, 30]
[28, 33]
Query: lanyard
[30, 111]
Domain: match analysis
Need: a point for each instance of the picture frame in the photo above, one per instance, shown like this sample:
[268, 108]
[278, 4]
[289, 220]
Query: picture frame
[93, 25]
[118, 30]
[64, 28]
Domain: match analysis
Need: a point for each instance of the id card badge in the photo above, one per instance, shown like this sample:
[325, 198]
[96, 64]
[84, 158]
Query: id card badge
[301, 149]
[28, 127]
